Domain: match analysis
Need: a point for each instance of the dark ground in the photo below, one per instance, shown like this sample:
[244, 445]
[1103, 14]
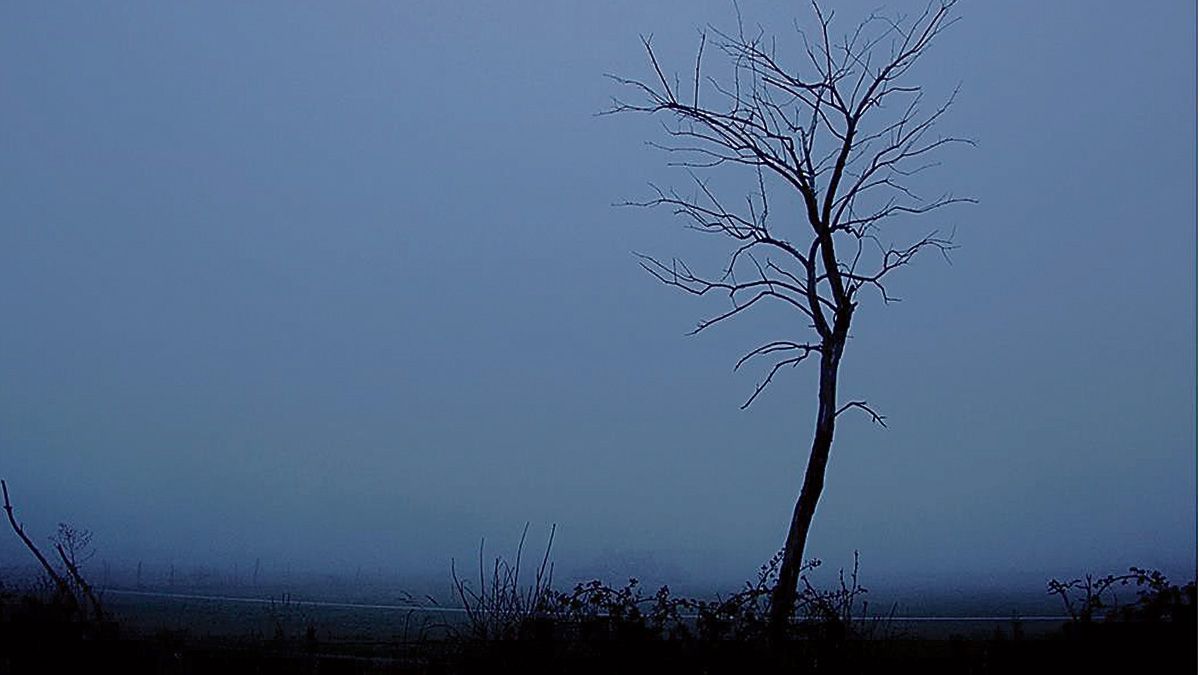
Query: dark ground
[38, 638]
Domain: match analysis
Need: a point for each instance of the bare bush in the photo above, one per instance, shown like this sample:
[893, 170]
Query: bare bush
[1088, 598]
[501, 605]
[74, 548]
[504, 608]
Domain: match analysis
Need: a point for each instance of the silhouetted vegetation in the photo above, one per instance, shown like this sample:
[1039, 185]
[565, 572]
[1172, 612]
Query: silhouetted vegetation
[501, 608]
[515, 622]
[51, 619]
[1157, 601]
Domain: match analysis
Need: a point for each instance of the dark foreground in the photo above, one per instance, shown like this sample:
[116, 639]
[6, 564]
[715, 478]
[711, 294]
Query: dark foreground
[506, 626]
[34, 640]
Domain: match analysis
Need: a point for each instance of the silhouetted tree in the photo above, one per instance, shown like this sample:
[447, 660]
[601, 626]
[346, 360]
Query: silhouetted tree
[61, 584]
[843, 131]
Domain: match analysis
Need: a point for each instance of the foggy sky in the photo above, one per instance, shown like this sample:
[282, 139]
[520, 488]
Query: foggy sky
[343, 283]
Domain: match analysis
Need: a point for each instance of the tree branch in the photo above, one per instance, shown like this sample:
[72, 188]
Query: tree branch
[818, 131]
[60, 583]
[862, 405]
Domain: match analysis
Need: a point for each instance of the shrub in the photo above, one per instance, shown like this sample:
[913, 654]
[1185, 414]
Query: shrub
[500, 607]
[1157, 601]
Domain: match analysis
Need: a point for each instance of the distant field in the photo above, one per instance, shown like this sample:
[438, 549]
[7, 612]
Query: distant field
[236, 613]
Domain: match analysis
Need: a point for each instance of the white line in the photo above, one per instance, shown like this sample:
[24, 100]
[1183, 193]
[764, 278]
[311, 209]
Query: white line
[272, 601]
[457, 610]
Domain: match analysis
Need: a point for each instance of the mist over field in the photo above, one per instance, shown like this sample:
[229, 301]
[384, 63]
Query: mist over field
[342, 289]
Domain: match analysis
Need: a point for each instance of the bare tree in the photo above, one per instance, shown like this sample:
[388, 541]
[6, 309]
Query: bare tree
[845, 132]
[74, 548]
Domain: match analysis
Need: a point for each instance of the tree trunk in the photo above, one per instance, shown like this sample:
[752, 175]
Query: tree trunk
[783, 597]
